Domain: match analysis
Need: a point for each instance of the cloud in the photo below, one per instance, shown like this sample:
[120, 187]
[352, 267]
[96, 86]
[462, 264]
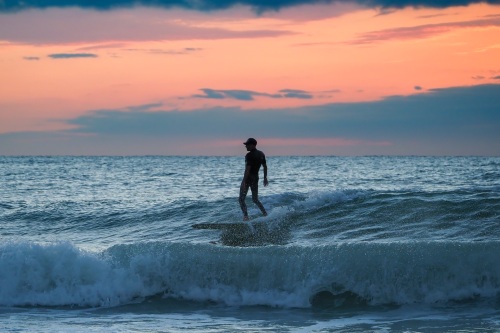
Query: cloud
[459, 120]
[293, 93]
[120, 27]
[496, 77]
[447, 121]
[30, 58]
[417, 88]
[102, 46]
[241, 95]
[186, 50]
[211, 5]
[248, 95]
[72, 55]
[422, 3]
[422, 31]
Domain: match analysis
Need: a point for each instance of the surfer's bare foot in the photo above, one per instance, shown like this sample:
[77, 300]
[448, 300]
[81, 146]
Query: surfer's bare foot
[245, 218]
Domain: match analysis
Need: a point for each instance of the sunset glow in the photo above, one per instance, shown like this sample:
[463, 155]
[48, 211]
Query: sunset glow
[60, 65]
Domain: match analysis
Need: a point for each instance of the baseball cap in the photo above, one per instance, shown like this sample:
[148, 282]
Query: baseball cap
[250, 141]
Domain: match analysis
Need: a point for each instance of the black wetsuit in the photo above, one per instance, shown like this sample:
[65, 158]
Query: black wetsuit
[255, 159]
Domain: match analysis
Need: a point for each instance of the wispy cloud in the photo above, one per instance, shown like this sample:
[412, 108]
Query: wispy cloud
[294, 93]
[72, 55]
[248, 95]
[184, 51]
[30, 58]
[422, 31]
[98, 29]
[102, 46]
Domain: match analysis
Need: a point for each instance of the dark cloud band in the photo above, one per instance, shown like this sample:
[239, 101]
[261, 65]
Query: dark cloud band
[455, 111]
[211, 5]
[72, 55]
[248, 95]
[447, 121]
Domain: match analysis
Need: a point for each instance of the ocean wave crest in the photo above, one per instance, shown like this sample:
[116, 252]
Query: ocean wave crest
[283, 276]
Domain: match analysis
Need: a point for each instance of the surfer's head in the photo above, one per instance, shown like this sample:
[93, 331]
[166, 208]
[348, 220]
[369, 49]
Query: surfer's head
[250, 144]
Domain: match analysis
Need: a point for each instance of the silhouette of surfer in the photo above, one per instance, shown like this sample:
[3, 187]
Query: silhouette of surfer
[254, 159]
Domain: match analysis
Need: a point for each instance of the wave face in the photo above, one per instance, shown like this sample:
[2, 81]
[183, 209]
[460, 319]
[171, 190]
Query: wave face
[283, 276]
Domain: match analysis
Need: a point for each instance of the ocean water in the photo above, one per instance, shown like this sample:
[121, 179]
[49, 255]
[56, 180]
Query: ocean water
[351, 244]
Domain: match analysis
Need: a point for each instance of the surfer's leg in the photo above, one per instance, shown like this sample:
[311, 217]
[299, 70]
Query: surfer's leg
[243, 195]
[255, 197]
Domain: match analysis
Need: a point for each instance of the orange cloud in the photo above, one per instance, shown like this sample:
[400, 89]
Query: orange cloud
[423, 31]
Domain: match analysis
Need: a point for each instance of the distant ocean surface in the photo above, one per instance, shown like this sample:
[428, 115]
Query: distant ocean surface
[351, 244]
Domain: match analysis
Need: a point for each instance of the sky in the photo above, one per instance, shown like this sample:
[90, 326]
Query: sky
[304, 77]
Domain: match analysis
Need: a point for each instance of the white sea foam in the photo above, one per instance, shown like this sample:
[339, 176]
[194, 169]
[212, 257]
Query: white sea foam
[62, 275]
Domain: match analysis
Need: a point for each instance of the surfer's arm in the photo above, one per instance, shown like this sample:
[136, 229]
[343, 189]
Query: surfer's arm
[245, 176]
[264, 166]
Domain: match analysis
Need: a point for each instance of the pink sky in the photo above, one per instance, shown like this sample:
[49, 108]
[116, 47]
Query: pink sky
[61, 64]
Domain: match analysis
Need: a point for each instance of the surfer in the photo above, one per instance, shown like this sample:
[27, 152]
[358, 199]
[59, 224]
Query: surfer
[253, 160]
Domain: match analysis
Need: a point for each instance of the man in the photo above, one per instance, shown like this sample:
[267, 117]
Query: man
[253, 160]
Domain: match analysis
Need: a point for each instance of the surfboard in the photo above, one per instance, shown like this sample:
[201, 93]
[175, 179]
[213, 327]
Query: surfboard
[251, 233]
[222, 226]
